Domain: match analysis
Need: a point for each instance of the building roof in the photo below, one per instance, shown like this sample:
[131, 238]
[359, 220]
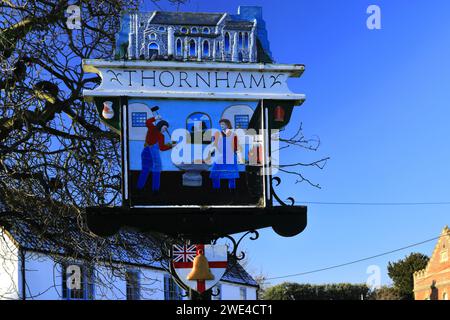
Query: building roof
[127, 247]
[187, 18]
[239, 25]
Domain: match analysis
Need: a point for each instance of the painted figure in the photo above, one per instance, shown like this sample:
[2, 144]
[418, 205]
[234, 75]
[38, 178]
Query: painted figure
[226, 155]
[151, 157]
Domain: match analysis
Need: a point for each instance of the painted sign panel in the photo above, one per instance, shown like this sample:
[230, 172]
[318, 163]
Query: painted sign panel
[200, 266]
[193, 153]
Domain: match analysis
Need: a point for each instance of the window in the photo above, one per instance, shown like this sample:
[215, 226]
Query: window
[194, 30]
[241, 121]
[153, 36]
[205, 48]
[227, 43]
[133, 286]
[74, 288]
[240, 40]
[179, 47]
[246, 40]
[217, 291]
[197, 124]
[171, 290]
[240, 56]
[206, 30]
[138, 119]
[192, 48]
[445, 296]
[153, 49]
[161, 29]
[184, 30]
[444, 256]
[243, 293]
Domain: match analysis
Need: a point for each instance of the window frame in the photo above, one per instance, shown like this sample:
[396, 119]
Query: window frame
[137, 294]
[243, 293]
[192, 41]
[171, 289]
[87, 282]
[206, 42]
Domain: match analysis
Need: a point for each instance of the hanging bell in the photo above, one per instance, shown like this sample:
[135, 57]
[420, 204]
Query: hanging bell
[200, 269]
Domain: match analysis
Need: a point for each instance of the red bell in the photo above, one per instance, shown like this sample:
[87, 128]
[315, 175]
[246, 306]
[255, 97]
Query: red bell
[279, 114]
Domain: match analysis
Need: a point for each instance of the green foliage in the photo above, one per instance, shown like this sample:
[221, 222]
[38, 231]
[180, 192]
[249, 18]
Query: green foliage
[401, 273]
[296, 291]
[385, 293]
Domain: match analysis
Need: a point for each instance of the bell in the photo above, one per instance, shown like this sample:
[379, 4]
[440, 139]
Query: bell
[200, 269]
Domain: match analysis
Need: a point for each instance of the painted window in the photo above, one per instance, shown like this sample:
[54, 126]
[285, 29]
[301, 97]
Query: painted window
[192, 48]
[198, 123]
[227, 43]
[74, 288]
[241, 121]
[206, 48]
[153, 36]
[206, 30]
[133, 285]
[171, 290]
[194, 30]
[138, 119]
[153, 49]
[243, 293]
[184, 30]
[179, 47]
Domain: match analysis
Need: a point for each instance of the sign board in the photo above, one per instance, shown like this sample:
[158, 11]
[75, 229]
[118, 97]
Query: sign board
[195, 105]
[194, 134]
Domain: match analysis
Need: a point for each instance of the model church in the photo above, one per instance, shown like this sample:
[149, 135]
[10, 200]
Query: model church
[192, 36]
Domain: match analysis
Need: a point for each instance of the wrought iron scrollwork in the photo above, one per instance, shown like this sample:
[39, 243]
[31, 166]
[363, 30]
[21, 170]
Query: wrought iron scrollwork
[234, 252]
[274, 194]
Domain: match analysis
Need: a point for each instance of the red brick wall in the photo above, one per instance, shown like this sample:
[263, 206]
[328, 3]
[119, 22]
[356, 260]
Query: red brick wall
[434, 281]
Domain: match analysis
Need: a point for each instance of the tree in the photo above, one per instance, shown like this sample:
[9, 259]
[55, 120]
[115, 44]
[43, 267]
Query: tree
[56, 157]
[401, 273]
[384, 293]
[296, 291]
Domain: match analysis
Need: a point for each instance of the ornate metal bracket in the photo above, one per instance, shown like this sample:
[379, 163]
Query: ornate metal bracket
[234, 252]
[274, 194]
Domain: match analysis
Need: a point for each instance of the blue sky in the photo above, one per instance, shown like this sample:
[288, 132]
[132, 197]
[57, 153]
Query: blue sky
[379, 100]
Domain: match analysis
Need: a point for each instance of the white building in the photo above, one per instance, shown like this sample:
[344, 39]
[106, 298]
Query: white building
[33, 267]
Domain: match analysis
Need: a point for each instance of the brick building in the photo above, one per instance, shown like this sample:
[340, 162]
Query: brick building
[433, 282]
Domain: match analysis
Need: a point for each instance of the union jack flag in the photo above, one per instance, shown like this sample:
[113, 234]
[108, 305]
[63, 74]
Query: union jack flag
[185, 253]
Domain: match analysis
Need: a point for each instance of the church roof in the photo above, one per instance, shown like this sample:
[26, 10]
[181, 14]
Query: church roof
[187, 18]
[127, 247]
